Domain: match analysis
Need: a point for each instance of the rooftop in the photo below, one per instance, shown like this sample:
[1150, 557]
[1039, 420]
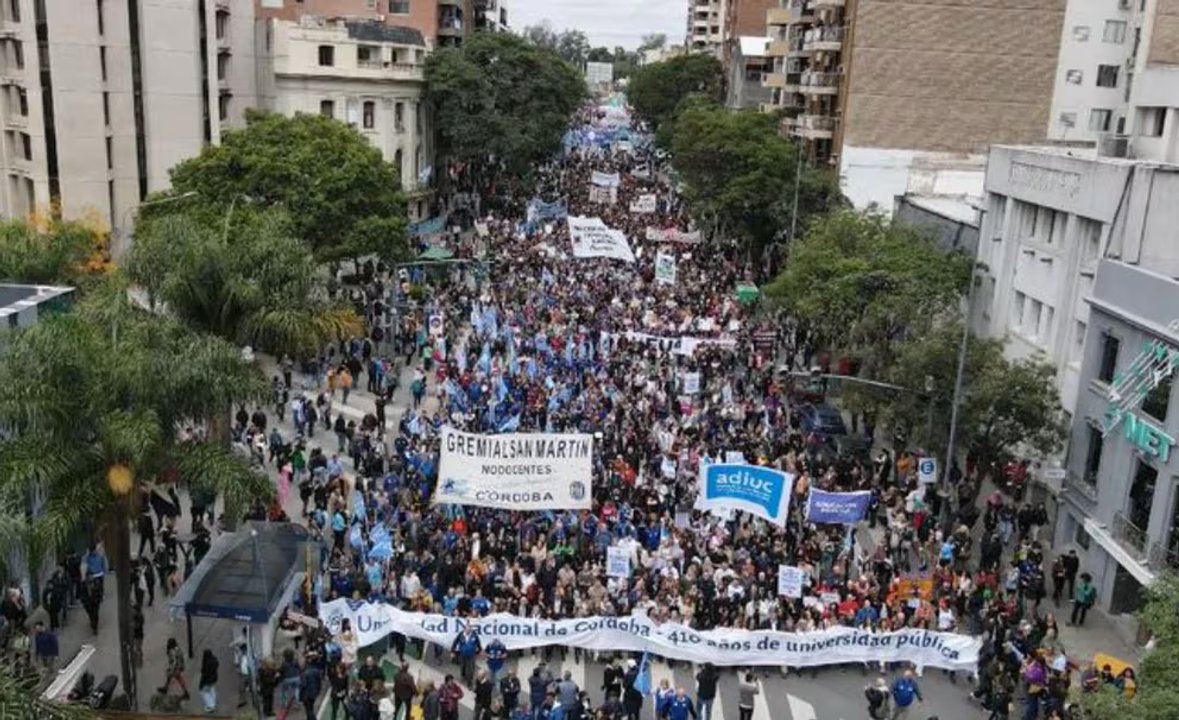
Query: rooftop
[374, 31]
[961, 209]
[753, 46]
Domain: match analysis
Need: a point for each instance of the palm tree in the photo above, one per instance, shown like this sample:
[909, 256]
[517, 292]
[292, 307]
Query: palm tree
[97, 401]
[19, 699]
[261, 287]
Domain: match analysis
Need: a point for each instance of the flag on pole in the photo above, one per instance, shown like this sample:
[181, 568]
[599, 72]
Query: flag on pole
[643, 679]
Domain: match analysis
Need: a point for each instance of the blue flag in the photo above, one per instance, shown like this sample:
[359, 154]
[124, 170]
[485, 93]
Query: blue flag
[643, 679]
[511, 424]
[358, 505]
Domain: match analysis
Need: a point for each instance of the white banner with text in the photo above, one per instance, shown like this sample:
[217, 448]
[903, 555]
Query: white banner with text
[637, 633]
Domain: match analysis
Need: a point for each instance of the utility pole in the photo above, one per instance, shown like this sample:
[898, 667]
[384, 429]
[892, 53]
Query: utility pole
[947, 490]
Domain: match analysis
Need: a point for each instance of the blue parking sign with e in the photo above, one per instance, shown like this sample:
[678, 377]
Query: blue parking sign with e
[927, 471]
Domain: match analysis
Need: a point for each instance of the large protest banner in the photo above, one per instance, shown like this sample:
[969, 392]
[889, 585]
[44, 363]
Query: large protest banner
[725, 647]
[539, 210]
[610, 180]
[837, 507]
[759, 490]
[591, 238]
[603, 195]
[517, 471]
[643, 204]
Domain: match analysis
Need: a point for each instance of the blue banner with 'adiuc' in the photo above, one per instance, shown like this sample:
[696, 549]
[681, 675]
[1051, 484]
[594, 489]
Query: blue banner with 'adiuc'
[759, 490]
[841, 508]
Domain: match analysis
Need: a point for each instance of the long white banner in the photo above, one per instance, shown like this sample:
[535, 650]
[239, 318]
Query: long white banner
[591, 238]
[602, 179]
[373, 621]
[518, 471]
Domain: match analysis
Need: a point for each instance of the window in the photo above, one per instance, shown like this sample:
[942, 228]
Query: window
[110, 154]
[1142, 495]
[418, 109]
[1068, 119]
[222, 65]
[398, 160]
[1074, 76]
[14, 11]
[327, 55]
[399, 116]
[1090, 240]
[26, 146]
[223, 107]
[18, 55]
[22, 101]
[1156, 402]
[101, 20]
[1109, 357]
[1049, 315]
[1078, 340]
[369, 115]
[399, 7]
[220, 24]
[1153, 121]
[1017, 310]
[102, 61]
[1033, 323]
[368, 55]
[327, 108]
[106, 108]
[1107, 76]
[1115, 32]
[1081, 33]
[1099, 119]
[1093, 455]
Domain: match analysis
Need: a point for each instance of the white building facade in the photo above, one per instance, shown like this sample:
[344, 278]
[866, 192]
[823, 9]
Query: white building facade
[706, 26]
[100, 99]
[1049, 216]
[364, 73]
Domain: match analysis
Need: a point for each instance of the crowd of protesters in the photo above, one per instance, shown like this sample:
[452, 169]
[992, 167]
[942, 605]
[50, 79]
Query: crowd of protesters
[525, 337]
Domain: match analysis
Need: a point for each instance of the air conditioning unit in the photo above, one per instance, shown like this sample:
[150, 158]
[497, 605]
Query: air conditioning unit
[1113, 145]
[1068, 119]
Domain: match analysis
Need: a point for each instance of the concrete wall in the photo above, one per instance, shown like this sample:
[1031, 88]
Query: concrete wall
[951, 75]
[172, 84]
[876, 176]
[1164, 36]
[949, 234]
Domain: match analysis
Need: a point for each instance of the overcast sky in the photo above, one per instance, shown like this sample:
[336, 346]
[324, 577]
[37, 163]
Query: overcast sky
[606, 22]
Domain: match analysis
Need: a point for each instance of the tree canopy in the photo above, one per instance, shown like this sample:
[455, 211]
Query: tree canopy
[572, 45]
[1005, 403]
[864, 283]
[500, 102]
[51, 251]
[327, 176]
[1158, 674]
[657, 90]
[258, 286]
[738, 170]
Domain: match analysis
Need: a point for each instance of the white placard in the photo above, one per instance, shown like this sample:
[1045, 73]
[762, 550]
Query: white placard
[435, 325]
[790, 581]
[591, 238]
[665, 268]
[610, 180]
[643, 204]
[603, 195]
[516, 471]
[927, 470]
[617, 562]
[638, 633]
[691, 383]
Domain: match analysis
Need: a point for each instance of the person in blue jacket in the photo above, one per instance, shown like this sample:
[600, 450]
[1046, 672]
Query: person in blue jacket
[663, 697]
[681, 706]
[497, 655]
[466, 648]
[904, 693]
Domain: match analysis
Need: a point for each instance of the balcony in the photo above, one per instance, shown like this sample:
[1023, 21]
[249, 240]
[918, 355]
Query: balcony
[815, 127]
[778, 16]
[826, 4]
[1129, 535]
[773, 79]
[800, 10]
[796, 48]
[819, 83]
[778, 48]
[824, 38]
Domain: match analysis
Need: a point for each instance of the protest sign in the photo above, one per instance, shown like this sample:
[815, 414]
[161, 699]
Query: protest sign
[591, 238]
[763, 491]
[665, 268]
[608, 180]
[691, 383]
[641, 171]
[617, 562]
[672, 235]
[643, 204]
[926, 470]
[790, 581]
[518, 471]
[603, 195]
[837, 507]
[724, 647]
[435, 325]
[539, 210]
[735, 457]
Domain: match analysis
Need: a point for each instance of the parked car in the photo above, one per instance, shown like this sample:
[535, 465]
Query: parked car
[823, 420]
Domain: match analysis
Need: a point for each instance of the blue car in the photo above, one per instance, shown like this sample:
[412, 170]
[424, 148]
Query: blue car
[823, 420]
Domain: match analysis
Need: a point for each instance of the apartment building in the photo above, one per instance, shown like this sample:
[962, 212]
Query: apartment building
[363, 72]
[1119, 507]
[457, 19]
[706, 26]
[101, 98]
[748, 63]
[887, 89]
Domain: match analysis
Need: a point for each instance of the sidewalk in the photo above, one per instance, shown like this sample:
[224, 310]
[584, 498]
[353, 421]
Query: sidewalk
[206, 633]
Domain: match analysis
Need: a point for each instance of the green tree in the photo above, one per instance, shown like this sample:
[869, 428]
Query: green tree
[653, 41]
[326, 175]
[741, 173]
[95, 402]
[1005, 404]
[864, 284]
[60, 252]
[258, 287]
[600, 54]
[656, 90]
[1158, 673]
